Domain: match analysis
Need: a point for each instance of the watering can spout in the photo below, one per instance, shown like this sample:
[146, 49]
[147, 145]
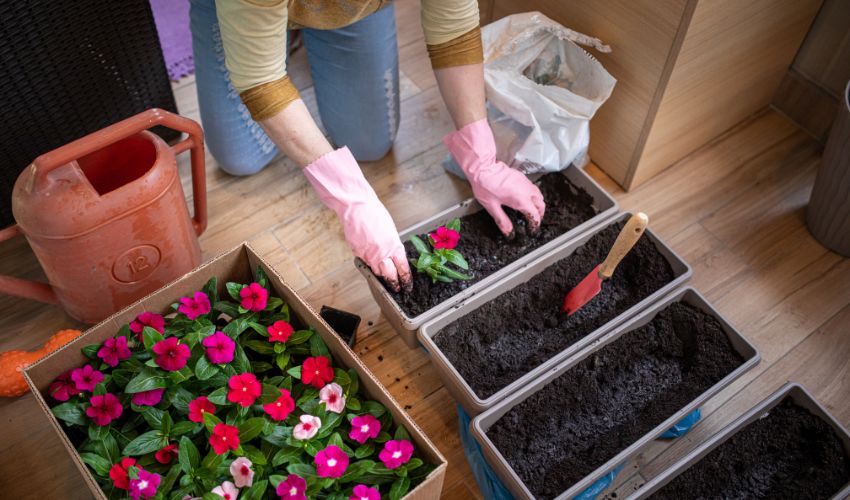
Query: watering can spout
[33, 290]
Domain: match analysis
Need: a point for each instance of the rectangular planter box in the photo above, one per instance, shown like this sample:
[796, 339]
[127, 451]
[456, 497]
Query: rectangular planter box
[235, 265]
[406, 326]
[798, 394]
[461, 390]
[482, 423]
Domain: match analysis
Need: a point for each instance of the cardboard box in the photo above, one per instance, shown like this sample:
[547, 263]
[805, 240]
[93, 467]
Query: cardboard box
[236, 265]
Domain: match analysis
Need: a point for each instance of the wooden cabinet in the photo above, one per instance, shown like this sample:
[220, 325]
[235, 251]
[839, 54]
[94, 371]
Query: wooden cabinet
[687, 70]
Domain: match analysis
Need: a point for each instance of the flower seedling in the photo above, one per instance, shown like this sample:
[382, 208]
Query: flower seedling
[434, 259]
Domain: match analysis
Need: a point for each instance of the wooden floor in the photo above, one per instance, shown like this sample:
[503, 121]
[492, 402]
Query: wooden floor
[734, 210]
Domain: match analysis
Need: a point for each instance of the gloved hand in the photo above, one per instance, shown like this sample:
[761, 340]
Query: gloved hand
[369, 228]
[493, 183]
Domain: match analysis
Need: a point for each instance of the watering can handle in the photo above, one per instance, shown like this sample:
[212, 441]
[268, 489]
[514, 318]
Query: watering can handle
[125, 128]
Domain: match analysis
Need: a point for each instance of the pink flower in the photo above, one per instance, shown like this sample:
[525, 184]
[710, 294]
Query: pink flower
[364, 427]
[219, 348]
[224, 437]
[308, 427]
[241, 471]
[63, 387]
[331, 462]
[280, 331]
[104, 409]
[244, 389]
[281, 407]
[254, 297]
[363, 492]
[145, 486]
[227, 491]
[171, 355]
[195, 306]
[444, 237]
[317, 371]
[148, 398]
[118, 473]
[199, 406]
[86, 378]
[331, 395]
[396, 453]
[113, 351]
[167, 454]
[150, 319]
[292, 488]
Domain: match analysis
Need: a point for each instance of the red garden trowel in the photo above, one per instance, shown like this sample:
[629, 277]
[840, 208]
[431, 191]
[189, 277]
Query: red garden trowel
[592, 283]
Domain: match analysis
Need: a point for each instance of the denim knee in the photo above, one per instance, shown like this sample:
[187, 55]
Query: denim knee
[372, 150]
[239, 164]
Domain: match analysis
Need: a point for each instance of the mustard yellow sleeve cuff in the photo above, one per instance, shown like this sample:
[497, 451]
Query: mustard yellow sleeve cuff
[460, 51]
[268, 99]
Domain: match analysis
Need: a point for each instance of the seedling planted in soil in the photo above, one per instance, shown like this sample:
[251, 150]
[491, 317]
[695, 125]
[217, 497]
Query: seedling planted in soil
[439, 252]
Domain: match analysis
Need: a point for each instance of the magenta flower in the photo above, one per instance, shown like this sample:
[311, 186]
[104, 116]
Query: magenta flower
[396, 453]
[444, 237]
[254, 297]
[150, 319]
[364, 427]
[63, 387]
[145, 486]
[332, 396]
[171, 355]
[195, 306]
[363, 492]
[148, 398]
[331, 462]
[113, 351]
[86, 378]
[292, 488]
[104, 409]
[219, 348]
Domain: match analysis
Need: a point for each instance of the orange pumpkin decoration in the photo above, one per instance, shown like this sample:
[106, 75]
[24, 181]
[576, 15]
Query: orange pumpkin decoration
[12, 363]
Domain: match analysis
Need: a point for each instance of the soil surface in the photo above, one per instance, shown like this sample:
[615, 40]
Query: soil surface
[609, 400]
[789, 454]
[517, 331]
[487, 250]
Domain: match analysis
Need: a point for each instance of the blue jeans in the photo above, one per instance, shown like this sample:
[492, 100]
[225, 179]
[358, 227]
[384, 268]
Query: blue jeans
[355, 76]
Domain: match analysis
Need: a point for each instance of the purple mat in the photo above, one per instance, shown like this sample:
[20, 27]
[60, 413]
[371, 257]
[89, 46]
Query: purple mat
[172, 23]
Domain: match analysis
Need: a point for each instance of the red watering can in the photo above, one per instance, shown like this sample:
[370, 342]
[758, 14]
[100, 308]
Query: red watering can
[106, 216]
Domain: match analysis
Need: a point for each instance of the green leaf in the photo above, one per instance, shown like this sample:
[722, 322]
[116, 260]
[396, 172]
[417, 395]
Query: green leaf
[240, 360]
[212, 461]
[218, 396]
[299, 337]
[233, 290]
[260, 366]
[273, 303]
[188, 455]
[456, 258]
[256, 491]
[282, 360]
[260, 346]
[453, 224]
[146, 380]
[211, 289]
[374, 407]
[357, 469]
[181, 375]
[121, 377]
[204, 369]
[210, 496]
[228, 308]
[303, 470]
[269, 395]
[364, 450]
[180, 399]
[285, 454]
[317, 346]
[153, 416]
[108, 447]
[353, 404]
[414, 464]
[383, 437]
[181, 428]
[210, 421]
[295, 372]
[401, 434]
[419, 245]
[251, 428]
[276, 479]
[97, 432]
[99, 465]
[146, 443]
[166, 423]
[399, 488]
[90, 351]
[150, 337]
[424, 261]
[451, 273]
[254, 454]
[70, 412]
[169, 479]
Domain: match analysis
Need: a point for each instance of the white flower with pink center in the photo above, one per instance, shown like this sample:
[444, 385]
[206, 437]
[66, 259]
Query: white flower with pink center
[331, 394]
[308, 427]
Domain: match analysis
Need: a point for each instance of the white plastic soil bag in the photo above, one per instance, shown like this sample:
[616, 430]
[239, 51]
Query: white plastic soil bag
[542, 89]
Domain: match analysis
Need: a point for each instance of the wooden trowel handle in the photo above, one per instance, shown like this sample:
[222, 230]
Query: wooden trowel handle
[627, 238]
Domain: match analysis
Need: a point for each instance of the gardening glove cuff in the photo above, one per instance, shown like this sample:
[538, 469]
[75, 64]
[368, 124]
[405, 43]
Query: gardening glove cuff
[493, 183]
[369, 228]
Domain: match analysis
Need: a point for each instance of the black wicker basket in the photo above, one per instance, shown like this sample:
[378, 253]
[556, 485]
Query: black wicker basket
[69, 68]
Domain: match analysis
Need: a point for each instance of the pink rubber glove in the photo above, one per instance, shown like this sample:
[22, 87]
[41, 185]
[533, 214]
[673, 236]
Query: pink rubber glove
[369, 228]
[493, 183]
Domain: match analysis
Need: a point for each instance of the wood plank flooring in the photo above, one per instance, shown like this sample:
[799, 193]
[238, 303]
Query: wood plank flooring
[734, 210]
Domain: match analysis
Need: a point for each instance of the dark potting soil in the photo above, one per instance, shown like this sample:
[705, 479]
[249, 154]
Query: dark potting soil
[609, 400]
[524, 327]
[487, 250]
[791, 454]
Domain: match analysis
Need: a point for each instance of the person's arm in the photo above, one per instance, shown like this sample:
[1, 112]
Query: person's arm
[454, 47]
[254, 39]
